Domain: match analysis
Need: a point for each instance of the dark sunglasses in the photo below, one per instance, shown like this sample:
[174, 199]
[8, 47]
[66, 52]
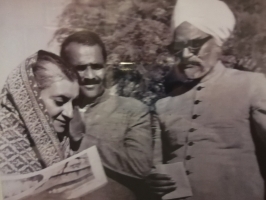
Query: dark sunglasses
[193, 46]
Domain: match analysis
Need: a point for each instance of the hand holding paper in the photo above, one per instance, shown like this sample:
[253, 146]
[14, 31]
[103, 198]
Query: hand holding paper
[69, 179]
[170, 181]
[160, 184]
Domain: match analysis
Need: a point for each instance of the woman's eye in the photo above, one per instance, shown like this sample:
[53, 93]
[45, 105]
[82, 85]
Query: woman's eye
[59, 103]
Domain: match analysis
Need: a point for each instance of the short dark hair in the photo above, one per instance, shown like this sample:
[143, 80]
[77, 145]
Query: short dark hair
[83, 37]
[41, 73]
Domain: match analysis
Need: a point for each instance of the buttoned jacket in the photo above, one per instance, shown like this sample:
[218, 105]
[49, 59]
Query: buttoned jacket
[216, 127]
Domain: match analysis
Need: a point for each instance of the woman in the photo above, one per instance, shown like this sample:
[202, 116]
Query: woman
[35, 109]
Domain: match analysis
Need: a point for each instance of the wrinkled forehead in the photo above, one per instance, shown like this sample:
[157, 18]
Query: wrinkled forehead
[186, 32]
[81, 54]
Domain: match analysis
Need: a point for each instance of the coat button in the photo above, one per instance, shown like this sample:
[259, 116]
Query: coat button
[188, 157]
[192, 130]
[188, 172]
[191, 143]
[195, 116]
[199, 88]
[197, 102]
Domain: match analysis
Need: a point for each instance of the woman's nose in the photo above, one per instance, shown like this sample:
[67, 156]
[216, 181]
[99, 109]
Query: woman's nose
[186, 53]
[68, 110]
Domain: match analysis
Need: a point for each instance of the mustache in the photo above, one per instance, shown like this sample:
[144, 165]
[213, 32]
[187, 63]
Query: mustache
[190, 61]
[184, 65]
[87, 81]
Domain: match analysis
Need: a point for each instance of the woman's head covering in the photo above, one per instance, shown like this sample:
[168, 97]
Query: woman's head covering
[23, 116]
[211, 16]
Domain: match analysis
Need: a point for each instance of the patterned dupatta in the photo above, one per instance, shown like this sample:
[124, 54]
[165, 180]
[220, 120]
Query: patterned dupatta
[28, 141]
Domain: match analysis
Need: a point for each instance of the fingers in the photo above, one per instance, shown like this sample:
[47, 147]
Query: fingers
[165, 189]
[161, 191]
[162, 183]
[157, 176]
[158, 180]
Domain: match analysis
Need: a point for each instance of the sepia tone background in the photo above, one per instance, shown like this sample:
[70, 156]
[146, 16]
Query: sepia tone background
[26, 26]
[133, 30]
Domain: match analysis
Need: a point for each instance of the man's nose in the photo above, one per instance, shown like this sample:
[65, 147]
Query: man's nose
[89, 73]
[186, 53]
[68, 110]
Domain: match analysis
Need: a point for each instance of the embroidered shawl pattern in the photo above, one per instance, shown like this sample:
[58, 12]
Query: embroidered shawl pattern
[26, 131]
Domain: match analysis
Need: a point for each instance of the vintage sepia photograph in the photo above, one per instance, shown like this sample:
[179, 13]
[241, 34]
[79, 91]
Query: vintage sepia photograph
[68, 179]
[133, 99]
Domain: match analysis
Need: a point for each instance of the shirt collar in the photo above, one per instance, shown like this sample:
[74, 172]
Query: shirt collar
[98, 100]
[217, 70]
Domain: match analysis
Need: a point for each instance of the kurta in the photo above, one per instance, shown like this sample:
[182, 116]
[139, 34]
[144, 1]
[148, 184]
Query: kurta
[121, 129]
[209, 127]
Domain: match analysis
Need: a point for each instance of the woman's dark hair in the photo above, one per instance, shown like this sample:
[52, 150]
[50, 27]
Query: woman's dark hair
[46, 77]
[83, 37]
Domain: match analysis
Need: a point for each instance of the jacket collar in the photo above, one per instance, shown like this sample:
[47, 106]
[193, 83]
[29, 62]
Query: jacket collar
[217, 70]
[83, 106]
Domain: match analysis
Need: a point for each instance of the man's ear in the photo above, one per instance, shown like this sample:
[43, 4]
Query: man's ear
[109, 79]
[219, 50]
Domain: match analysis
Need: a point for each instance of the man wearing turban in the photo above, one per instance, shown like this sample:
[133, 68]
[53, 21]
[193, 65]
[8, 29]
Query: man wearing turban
[214, 118]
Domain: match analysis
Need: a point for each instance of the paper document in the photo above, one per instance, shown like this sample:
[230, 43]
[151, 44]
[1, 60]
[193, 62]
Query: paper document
[68, 179]
[178, 173]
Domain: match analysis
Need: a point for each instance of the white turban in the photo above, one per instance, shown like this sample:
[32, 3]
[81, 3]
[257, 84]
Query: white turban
[211, 16]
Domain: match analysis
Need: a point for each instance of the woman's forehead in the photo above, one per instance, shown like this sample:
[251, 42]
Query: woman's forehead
[64, 87]
[51, 67]
[186, 31]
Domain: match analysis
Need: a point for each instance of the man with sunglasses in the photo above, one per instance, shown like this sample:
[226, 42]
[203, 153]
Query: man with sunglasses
[214, 119]
[118, 126]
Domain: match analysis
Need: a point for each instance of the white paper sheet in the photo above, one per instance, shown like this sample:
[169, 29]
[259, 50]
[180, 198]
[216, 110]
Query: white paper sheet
[178, 173]
[68, 179]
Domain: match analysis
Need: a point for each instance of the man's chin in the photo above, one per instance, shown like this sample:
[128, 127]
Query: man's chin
[194, 73]
[193, 76]
[91, 93]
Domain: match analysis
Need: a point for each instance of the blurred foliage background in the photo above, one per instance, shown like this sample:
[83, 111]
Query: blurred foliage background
[138, 31]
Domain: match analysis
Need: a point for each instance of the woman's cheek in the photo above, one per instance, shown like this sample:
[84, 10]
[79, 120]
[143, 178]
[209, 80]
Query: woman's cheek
[52, 108]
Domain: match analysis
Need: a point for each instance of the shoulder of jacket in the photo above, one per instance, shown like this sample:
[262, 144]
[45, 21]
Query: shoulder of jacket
[129, 103]
[245, 76]
[161, 102]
